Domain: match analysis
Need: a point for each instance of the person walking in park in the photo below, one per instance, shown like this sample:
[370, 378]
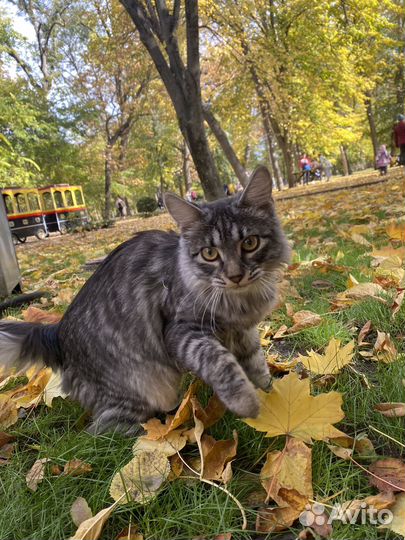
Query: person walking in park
[326, 167]
[305, 166]
[121, 207]
[383, 159]
[399, 137]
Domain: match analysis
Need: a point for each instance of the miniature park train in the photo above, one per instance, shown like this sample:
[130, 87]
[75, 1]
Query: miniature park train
[39, 211]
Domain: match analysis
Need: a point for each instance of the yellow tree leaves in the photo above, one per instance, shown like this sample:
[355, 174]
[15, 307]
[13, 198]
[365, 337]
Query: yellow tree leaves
[289, 409]
[332, 361]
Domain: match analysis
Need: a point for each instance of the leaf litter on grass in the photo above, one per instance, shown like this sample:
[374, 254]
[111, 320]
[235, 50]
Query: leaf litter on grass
[164, 453]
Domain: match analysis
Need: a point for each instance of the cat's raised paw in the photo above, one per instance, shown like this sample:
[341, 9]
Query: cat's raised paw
[245, 405]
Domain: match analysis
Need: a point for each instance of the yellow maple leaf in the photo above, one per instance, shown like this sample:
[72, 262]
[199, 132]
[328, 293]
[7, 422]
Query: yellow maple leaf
[332, 361]
[289, 409]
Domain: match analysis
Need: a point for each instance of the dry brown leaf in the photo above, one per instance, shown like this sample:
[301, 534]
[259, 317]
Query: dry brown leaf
[154, 427]
[359, 239]
[289, 409]
[130, 533]
[140, 479]
[380, 501]
[397, 525]
[76, 467]
[279, 519]
[36, 315]
[397, 302]
[388, 474]
[340, 451]
[176, 467]
[304, 319]
[53, 389]
[281, 365]
[361, 445]
[359, 292]
[392, 410]
[217, 456]
[31, 393]
[36, 474]
[169, 445]
[365, 330]
[332, 361]
[8, 412]
[384, 348]
[322, 284]
[92, 527]
[80, 511]
[65, 296]
[290, 469]
[396, 231]
[280, 332]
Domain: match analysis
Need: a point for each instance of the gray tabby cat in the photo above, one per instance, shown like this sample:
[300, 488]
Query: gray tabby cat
[162, 304]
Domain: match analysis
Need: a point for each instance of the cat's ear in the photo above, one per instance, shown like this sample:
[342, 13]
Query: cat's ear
[183, 212]
[258, 191]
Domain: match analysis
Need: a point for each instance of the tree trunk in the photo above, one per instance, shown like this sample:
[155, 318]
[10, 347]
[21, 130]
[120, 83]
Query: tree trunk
[186, 167]
[157, 28]
[246, 155]
[271, 151]
[226, 146]
[107, 181]
[345, 161]
[371, 123]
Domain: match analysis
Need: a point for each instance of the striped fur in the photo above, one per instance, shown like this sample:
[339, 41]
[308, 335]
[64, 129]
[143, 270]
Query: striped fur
[156, 309]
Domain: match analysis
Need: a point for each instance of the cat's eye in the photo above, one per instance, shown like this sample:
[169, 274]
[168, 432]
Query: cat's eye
[210, 253]
[250, 243]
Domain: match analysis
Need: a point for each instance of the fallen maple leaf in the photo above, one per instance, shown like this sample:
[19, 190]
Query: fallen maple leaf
[217, 457]
[360, 445]
[140, 479]
[289, 469]
[365, 330]
[332, 361]
[289, 409]
[388, 474]
[31, 393]
[279, 519]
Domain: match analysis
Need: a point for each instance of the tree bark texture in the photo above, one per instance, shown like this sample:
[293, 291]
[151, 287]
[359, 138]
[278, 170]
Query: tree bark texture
[157, 29]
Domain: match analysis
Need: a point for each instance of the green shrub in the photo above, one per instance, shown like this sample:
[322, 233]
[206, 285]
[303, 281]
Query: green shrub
[146, 205]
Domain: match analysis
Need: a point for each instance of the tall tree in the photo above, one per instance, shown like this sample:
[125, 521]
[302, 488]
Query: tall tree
[158, 30]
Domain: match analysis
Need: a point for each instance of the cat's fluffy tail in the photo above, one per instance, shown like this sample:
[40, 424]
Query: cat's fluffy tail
[22, 344]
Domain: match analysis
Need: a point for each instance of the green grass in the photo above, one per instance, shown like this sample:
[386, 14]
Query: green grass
[186, 508]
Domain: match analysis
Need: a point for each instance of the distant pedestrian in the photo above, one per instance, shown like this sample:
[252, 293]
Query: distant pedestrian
[305, 166]
[326, 167]
[399, 137]
[121, 207]
[383, 159]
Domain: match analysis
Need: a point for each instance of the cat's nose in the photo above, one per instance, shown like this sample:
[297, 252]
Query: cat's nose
[236, 279]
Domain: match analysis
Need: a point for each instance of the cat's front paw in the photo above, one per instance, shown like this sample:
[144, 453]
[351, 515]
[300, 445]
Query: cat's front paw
[244, 404]
[264, 382]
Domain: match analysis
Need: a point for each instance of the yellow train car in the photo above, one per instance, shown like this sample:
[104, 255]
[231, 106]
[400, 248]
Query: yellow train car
[24, 213]
[63, 207]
